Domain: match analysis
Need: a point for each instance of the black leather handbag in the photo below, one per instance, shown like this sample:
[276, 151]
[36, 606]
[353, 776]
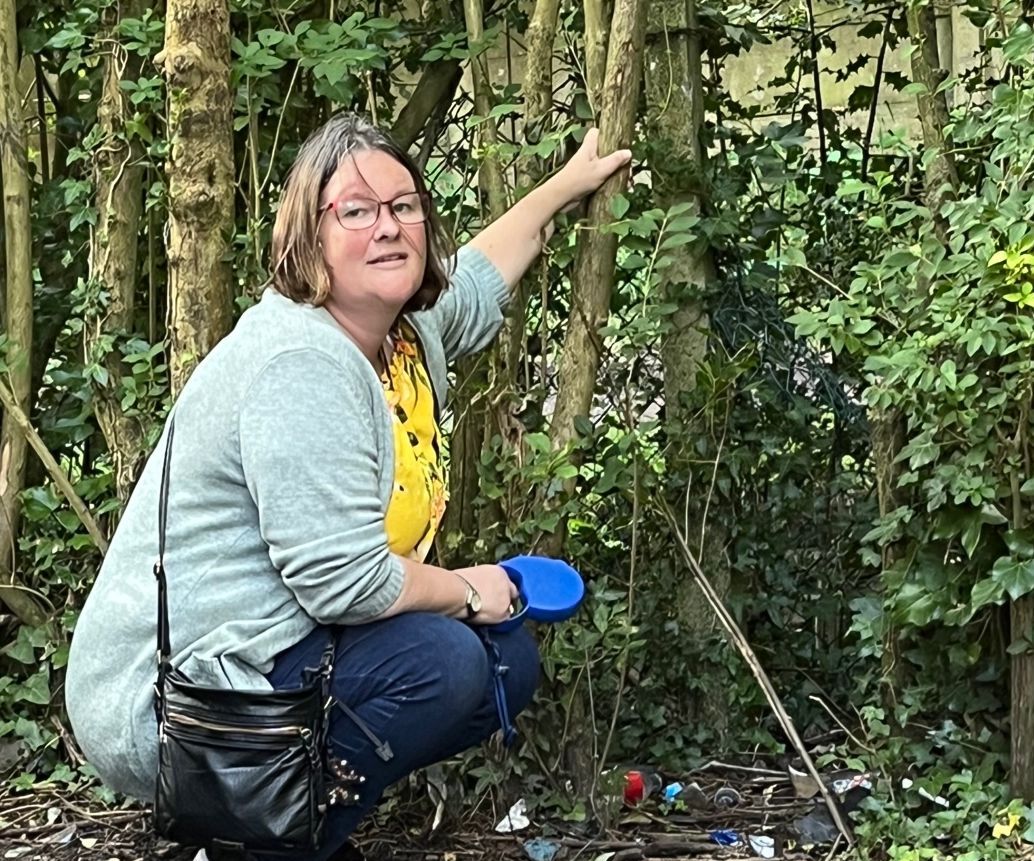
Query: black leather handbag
[241, 771]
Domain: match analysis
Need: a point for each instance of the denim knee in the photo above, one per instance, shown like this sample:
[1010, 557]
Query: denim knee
[440, 658]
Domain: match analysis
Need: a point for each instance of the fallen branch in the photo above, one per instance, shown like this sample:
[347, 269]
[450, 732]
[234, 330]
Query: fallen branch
[767, 772]
[740, 641]
[55, 471]
[666, 850]
[115, 817]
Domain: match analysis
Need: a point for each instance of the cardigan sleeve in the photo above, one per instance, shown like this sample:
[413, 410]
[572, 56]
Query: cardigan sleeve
[311, 464]
[469, 314]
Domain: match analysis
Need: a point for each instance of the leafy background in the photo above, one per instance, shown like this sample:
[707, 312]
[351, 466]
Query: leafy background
[851, 451]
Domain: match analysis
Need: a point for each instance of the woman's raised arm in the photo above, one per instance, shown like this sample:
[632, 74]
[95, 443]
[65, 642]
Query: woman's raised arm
[514, 240]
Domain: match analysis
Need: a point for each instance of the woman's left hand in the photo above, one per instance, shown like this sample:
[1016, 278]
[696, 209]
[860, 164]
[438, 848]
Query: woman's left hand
[514, 239]
[586, 170]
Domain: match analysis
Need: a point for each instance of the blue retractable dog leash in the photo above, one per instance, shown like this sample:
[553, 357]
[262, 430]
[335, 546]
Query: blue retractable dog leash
[549, 590]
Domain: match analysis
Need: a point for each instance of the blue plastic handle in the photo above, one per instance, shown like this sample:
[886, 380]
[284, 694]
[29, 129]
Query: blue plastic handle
[550, 590]
[516, 619]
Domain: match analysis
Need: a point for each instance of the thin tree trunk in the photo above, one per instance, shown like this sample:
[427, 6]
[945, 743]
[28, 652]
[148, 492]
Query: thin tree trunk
[17, 318]
[597, 35]
[472, 431]
[1021, 769]
[946, 53]
[490, 174]
[593, 276]
[675, 106]
[941, 184]
[888, 437]
[538, 108]
[591, 285]
[1021, 628]
[942, 178]
[504, 359]
[118, 180]
[196, 63]
[52, 468]
[64, 135]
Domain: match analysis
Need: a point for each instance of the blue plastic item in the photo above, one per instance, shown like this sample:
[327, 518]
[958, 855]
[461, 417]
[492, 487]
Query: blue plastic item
[725, 837]
[550, 590]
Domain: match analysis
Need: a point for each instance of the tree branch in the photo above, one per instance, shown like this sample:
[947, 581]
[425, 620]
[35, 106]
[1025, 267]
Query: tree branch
[436, 84]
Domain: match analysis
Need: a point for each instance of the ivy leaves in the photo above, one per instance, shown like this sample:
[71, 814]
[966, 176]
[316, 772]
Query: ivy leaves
[941, 326]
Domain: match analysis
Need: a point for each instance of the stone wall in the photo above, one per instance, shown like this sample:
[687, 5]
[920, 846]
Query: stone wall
[747, 77]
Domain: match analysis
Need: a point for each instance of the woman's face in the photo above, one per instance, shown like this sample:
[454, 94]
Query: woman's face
[373, 270]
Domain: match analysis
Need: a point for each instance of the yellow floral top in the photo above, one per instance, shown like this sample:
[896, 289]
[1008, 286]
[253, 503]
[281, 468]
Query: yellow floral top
[418, 498]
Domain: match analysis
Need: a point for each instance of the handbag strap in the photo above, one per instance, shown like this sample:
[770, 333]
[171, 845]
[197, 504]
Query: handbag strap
[159, 566]
[164, 649]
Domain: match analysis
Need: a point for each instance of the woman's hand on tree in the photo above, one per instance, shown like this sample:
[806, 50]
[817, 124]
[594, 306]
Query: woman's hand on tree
[514, 240]
[586, 170]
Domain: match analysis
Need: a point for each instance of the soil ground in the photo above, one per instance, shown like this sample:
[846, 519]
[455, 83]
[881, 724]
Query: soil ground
[49, 826]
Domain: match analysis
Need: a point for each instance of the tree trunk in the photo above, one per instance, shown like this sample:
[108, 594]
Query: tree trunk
[472, 431]
[673, 79]
[490, 174]
[1021, 664]
[888, 437]
[591, 285]
[593, 276]
[941, 184]
[946, 53]
[675, 108]
[942, 179]
[118, 180]
[196, 64]
[538, 108]
[438, 82]
[64, 134]
[501, 397]
[1021, 773]
[597, 35]
[17, 316]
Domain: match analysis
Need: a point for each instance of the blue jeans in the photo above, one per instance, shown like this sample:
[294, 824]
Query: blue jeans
[420, 682]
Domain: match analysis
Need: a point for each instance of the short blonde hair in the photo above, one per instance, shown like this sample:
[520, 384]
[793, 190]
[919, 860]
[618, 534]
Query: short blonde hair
[298, 268]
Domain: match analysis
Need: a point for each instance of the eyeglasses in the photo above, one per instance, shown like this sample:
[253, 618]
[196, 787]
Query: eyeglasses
[359, 213]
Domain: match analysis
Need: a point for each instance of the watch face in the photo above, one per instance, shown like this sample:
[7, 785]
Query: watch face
[474, 601]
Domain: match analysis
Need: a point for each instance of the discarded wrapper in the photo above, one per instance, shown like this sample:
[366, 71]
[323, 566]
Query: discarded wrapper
[725, 837]
[816, 827]
[804, 785]
[693, 796]
[515, 820]
[846, 784]
[906, 783]
[541, 849]
[762, 844]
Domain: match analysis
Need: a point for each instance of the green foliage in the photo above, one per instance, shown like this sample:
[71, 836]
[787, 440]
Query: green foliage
[839, 305]
[938, 326]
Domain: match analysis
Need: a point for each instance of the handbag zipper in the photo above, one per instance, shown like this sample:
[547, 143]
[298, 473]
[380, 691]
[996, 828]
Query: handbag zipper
[304, 732]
